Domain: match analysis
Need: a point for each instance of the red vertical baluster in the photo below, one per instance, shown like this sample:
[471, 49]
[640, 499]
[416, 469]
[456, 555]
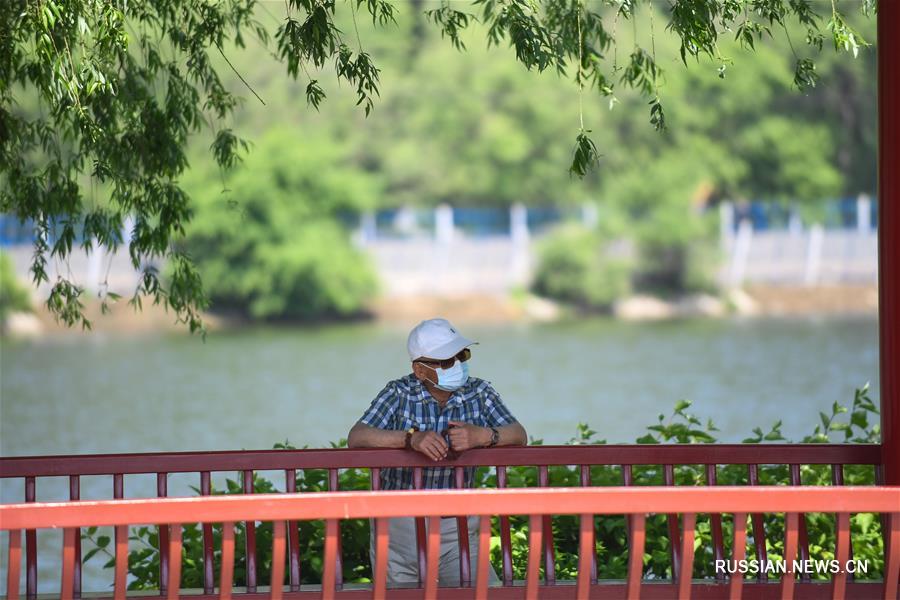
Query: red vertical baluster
[585, 557]
[484, 558]
[885, 517]
[250, 538]
[432, 570]
[290, 486]
[121, 536]
[120, 580]
[586, 482]
[420, 529]
[462, 531]
[837, 479]
[209, 575]
[790, 554]
[68, 563]
[892, 557]
[162, 490]
[382, 543]
[842, 555]
[329, 569]
[637, 533]
[174, 586]
[381, 533]
[30, 546]
[14, 564]
[759, 531]
[276, 581]
[226, 575]
[75, 494]
[738, 553]
[685, 576]
[339, 569]
[674, 534]
[804, 537]
[627, 481]
[505, 537]
[532, 583]
[375, 478]
[715, 521]
[549, 558]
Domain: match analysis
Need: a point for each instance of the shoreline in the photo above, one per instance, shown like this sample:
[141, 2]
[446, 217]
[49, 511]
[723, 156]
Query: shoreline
[756, 301]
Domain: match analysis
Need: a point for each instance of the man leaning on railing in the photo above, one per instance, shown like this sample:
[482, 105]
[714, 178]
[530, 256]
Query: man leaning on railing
[437, 410]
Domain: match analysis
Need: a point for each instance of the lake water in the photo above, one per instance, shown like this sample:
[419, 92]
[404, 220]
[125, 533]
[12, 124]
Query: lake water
[250, 389]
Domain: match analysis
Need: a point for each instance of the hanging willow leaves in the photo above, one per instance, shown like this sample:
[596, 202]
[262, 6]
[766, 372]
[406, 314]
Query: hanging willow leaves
[585, 157]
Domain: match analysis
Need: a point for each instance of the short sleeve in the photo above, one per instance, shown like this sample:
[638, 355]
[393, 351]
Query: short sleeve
[381, 411]
[495, 412]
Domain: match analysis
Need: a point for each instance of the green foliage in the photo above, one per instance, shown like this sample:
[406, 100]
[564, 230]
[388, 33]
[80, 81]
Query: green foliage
[98, 100]
[573, 266]
[681, 427]
[13, 296]
[271, 245]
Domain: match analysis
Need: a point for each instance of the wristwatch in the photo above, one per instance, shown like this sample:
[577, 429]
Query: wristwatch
[495, 437]
[408, 442]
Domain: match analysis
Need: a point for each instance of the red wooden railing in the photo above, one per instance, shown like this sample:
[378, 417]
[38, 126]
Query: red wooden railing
[626, 457]
[537, 503]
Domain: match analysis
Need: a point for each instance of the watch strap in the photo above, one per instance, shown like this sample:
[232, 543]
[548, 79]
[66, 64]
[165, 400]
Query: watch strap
[408, 441]
[495, 437]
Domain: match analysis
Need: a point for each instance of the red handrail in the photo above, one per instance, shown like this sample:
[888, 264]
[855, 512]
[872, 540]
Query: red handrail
[274, 460]
[334, 506]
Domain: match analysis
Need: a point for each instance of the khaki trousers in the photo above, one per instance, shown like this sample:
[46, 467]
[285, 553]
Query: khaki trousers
[403, 562]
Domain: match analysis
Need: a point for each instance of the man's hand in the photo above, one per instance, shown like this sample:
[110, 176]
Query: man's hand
[464, 436]
[430, 444]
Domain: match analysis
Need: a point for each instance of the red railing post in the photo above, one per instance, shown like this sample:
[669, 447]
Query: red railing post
[804, 536]
[290, 487]
[75, 494]
[249, 537]
[68, 563]
[209, 575]
[14, 563]
[738, 553]
[276, 578]
[226, 574]
[505, 535]
[432, 571]
[162, 490]
[339, 564]
[535, 533]
[889, 235]
[382, 543]
[790, 554]
[484, 558]
[30, 546]
[174, 585]
[637, 532]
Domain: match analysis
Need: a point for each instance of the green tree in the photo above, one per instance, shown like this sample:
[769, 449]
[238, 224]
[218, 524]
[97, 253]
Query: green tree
[122, 86]
[272, 245]
[13, 296]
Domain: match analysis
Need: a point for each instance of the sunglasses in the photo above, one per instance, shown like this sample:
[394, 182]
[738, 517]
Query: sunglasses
[461, 356]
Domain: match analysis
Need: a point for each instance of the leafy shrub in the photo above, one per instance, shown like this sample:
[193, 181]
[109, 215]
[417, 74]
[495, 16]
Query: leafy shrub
[13, 296]
[611, 543]
[574, 266]
[272, 245]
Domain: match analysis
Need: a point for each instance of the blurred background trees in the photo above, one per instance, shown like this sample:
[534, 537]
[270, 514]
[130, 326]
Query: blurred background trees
[440, 126]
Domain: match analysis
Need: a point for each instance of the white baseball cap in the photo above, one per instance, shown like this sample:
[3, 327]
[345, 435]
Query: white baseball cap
[435, 338]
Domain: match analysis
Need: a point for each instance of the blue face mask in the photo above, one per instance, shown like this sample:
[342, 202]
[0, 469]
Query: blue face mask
[453, 378]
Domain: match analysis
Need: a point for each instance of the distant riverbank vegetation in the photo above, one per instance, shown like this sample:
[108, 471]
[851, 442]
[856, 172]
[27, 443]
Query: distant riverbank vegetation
[768, 114]
[271, 237]
[856, 424]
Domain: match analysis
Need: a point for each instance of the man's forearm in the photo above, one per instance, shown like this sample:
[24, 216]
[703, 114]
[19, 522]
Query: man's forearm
[512, 435]
[364, 436]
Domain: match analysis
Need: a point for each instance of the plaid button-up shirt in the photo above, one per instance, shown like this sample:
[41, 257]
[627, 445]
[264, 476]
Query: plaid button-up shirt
[405, 403]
